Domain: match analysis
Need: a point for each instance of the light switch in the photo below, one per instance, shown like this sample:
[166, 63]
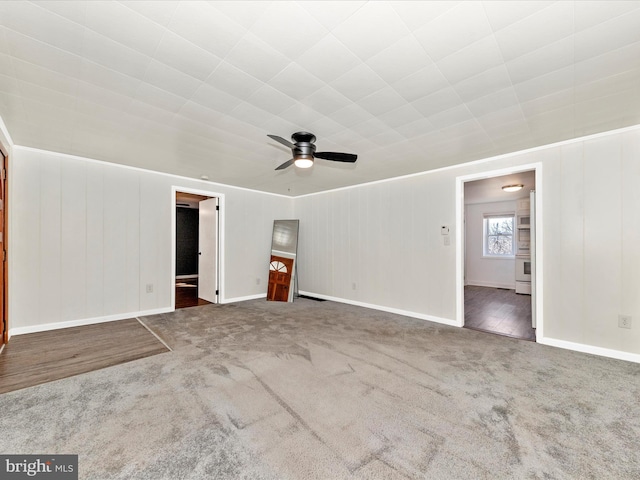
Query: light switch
[444, 230]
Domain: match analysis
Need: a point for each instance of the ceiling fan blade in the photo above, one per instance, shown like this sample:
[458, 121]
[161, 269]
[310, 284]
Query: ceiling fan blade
[281, 140]
[337, 157]
[286, 164]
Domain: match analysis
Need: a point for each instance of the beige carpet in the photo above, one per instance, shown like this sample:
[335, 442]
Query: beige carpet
[318, 390]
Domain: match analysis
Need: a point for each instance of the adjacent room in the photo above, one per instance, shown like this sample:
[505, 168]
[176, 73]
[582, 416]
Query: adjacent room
[320, 240]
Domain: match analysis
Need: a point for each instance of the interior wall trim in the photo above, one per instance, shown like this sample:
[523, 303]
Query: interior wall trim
[243, 299]
[583, 348]
[382, 308]
[480, 283]
[43, 327]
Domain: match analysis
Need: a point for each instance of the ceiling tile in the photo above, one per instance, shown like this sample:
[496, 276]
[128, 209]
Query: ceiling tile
[328, 59]
[358, 82]
[111, 54]
[351, 115]
[471, 60]
[332, 13]
[29, 72]
[159, 12]
[326, 100]
[403, 58]
[101, 96]
[171, 80]
[421, 84]
[554, 101]
[455, 29]
[271, 100]
[611, 63]
[417, 14]
[215, 99]
[370, 29]
[256, 58]
[288, 28]
[120, 24]
[326, 126]
[400, 116]
[186, 57]
[296, 82]
[382, 101]
[547, 59]
[370, 128]
[159, 98]
[42, 25]
[74, 11]
[9, 85]
[416, 128]
[42, 54]
[437, 102]
[545, 84]
[205, 26]
[452, 116]
[244, 13]
[234, 81]
[537, 30]
[110, 79]
[589, 14]
[607, 36]
[495, 101]
[501, 14]
[486, 83]
[301, 115]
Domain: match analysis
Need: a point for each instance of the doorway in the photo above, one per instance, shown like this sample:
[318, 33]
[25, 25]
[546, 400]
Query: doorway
[498, 291]
[196, 249]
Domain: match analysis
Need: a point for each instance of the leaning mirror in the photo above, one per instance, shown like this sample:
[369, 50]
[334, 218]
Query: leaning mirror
[282, 265]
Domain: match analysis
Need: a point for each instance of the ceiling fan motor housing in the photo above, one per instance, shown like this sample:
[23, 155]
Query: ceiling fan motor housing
[304, 144]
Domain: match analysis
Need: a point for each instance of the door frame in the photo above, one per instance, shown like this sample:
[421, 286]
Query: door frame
[5, 245]
[220, 252]
[460, 227]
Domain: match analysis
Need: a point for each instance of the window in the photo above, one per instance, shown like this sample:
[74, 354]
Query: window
[498, 235]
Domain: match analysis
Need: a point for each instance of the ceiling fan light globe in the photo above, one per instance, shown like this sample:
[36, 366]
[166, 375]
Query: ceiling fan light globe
[305, 161]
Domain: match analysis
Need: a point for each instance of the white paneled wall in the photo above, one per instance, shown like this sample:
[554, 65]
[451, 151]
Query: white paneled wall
[385, 238]
[87, 237]
[481, 270]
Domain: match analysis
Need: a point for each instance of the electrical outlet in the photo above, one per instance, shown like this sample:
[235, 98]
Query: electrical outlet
[149, 287]
[624, 321]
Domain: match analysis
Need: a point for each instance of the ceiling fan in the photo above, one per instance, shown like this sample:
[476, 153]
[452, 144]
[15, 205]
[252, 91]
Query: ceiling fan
[304, 151]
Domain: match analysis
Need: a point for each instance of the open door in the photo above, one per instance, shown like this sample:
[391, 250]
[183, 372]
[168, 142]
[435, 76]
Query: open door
[208, 250]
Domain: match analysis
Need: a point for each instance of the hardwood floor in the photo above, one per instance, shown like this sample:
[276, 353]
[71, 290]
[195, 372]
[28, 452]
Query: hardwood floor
[187, 294]
[499, 311]
[36, 358]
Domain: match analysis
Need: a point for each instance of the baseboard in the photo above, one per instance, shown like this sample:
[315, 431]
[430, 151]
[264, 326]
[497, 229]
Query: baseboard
[244, 299]
[43, 327]
[508, 286]
[406, 313]
[581, 347]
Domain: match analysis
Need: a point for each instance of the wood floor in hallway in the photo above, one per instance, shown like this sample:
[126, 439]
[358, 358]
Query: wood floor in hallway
[499, 311]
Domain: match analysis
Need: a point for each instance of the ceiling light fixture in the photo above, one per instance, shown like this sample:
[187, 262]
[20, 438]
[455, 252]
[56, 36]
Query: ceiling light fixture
[512, 188]
[303, 161]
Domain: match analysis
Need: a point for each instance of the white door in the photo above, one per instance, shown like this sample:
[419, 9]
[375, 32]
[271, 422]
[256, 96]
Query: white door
[208, 250]
[532, 243]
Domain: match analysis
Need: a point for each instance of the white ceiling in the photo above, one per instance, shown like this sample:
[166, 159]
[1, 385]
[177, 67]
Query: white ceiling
[193, 88]
[490, 189]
